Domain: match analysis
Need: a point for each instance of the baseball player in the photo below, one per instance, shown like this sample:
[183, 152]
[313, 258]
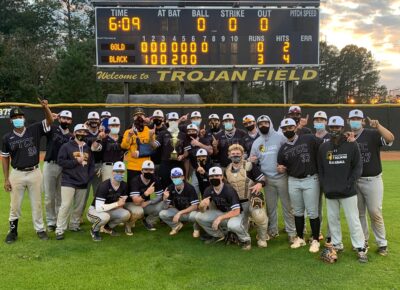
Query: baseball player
[139, 203]
[249, 122]
[22, 146]
[227, 216]
[105, 115]
[264, 152]
[182, 201]
[295, 114]
[56, 137]
[339, 166]
[298, 158]
[106, 210]
[370, 185]
[248, 181]
[202, 166]
[158, 126]
[77, 162]
[214, 124]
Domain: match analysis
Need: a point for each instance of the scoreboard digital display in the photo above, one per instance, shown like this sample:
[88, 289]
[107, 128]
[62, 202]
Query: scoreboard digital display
[206, 37]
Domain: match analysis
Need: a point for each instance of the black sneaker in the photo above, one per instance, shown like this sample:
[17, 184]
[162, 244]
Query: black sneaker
[148, 226]
[246, 246]
[43, 235]
[362, 257]
[383, 251]
[59, 236]
[51, 228]
[214, 240]
[95, 235]
[106, 229]
[11, 237]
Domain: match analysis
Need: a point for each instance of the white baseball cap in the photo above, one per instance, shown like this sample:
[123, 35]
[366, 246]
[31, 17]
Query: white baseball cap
[294, 109]
[80, 127]
[227, 116]
[356, 113]
[248, 118]
[287, 122]
[201, 152]
[114, 121]
[93, 115]
[119, 166]
[65, 114]
[148, 164]
[215, 171]
[336, 121]
[263, 118]
[213, 116]
[195, 114]
[105, 114]
[192, 127]
[173, 116]
[158, 113]
[176, 172]
[320, 114]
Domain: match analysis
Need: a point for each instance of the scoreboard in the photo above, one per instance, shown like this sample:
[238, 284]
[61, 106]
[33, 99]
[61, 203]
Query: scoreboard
[206, 37]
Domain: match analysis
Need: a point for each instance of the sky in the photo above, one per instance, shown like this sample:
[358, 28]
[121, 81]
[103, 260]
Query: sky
[373, 24]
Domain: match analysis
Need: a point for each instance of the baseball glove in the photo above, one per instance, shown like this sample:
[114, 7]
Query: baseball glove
[256, 200]
[329, 255]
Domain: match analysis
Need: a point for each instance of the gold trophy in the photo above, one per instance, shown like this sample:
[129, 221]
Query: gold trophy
[174, 141]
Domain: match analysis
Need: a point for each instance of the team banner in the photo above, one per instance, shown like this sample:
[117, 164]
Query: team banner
[206, 75]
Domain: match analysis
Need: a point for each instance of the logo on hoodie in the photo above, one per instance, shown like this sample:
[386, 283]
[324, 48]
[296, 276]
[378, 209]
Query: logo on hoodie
[262, 148]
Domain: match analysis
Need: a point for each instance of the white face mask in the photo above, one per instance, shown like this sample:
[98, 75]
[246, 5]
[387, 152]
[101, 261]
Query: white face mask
[114, 130]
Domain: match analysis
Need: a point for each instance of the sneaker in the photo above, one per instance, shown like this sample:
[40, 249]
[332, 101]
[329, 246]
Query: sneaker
[338, 248]
[196, 234]
[59, 236]
[176, 229]
[273, 235]
[292, 239]
[261, 244]
[128, 230]
[214, 240]
[314, 248]
[297, 243]
[148, 226]
[107, 230]
[246, 246]
[362, 257]
[383, 251]
[51, 228]
[76, 230]
[267, 238]
[43, 235]
[95, 235]
[11, 237]
[204, 236]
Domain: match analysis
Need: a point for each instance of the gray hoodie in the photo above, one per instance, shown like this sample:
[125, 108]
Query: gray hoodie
[266, 148]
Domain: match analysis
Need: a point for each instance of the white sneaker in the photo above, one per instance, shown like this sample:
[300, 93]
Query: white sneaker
[176, 229]
[196, 234]
[314, 248]
[298, 242]
[261, 244]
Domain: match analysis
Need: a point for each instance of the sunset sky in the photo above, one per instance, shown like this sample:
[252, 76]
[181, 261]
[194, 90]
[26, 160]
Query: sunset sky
[373, 24]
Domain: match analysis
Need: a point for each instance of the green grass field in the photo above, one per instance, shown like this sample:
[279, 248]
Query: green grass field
[153, 260]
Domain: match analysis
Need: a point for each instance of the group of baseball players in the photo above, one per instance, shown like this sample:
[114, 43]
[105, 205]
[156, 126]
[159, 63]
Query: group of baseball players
[185, 170]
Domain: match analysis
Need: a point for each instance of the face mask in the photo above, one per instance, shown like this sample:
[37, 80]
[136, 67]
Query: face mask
[250, 128]
[236, 159]
[202, 161]
[18, 123]
[355, 125]
[114, 130]
[264, 130]
[197, 123]
[177, 181]
[148, 175]
[118, 177]
[139, 124]
[215, 182]
[157, 122]
[93, 124]
[335, 134]
[319, 126]
[64, 125]
[192, 135]
[289, 134]
[228, 126]
[80, 137]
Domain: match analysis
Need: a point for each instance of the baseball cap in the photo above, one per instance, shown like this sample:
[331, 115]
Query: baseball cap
[119, 166]
[248, 118]
[294, 109]
[176, 172]
[80, 127]
[336, 121]
[105, 114]
[16, 112]
[263, 118]
[114, 121]
[195, 114]
[287, 122]
[93, 115]
[138, 111]
[215, 171]
[65, 114]
[320, 114]
[173, 116]
[213, 116]
[158, 113]
[227, 116]
[201, 152]
[356, 113]
[148, 164]
[192, 127]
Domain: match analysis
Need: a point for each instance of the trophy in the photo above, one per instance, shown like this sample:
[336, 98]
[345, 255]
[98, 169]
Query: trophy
[174, 141]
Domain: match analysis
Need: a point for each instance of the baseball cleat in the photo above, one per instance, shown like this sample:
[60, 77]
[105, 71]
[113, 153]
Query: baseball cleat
[75, 230]
[261, 244]
[246, 246]
[176, 229]
[383, 251]
[43, 235]
[196, 234]
[314, 247]
[59, 236]
[107, 230]
[297, 243]
[11, 237]
[51, 228]
[148, 226]
[95, 235]
[362, 257]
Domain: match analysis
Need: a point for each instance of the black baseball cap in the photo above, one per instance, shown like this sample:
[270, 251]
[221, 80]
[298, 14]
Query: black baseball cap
[16, 112]
[138, 111]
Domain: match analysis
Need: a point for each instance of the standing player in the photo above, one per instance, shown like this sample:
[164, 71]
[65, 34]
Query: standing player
[202, 167]
[320, 122]
[158, 126]
[56, 137]
[301, 123]
[249, 122]
[93, 124]
[182, 201]
[370, 185]
[339, 167]
[214, 124]
[22, 146]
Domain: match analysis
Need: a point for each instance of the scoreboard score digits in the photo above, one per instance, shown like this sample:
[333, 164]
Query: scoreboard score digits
[207, 37]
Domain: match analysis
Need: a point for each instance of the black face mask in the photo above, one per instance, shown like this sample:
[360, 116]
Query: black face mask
[64, 125]
[80, 137]
[148, 175]
[336, 134]
[139, 124]
[250, 128]
[264, 130]
[215, 182]
[236, 159]
[289, 134]
[202, 161]
[190, 136]
[296, 119]
[157, 122]
[93, 124]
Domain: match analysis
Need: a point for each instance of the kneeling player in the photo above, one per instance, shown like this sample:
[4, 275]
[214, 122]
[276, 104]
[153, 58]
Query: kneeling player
[182, 201]
[107, 207]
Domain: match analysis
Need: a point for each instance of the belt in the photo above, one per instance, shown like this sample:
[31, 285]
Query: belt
[108, 163]
[27, 168]
[304, 176]
[243, 200]
[52, 161]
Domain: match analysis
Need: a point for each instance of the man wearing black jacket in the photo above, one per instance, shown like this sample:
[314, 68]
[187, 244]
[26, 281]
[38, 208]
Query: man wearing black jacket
[339, 166]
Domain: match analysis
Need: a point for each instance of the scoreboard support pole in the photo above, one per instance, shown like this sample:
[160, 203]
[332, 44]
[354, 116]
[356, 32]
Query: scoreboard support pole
[290, 87]
[235, 93]
[182, 92]
[126, 96]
